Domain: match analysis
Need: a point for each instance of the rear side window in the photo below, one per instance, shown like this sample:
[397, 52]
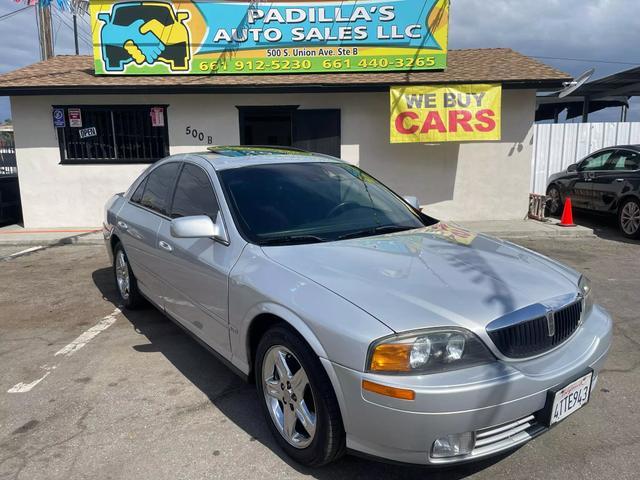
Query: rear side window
[194, 194]
[157, 188]
[627, 160]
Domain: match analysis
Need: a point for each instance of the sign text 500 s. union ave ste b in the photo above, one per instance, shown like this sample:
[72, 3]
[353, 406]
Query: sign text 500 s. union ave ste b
[223, 36]
[446, 113]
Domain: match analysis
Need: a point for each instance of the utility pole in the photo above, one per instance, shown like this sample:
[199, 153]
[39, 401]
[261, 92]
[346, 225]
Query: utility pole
[75, 31]
[44, 31]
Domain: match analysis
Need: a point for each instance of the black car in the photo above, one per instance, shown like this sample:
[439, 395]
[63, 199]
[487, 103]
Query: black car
[607, 181]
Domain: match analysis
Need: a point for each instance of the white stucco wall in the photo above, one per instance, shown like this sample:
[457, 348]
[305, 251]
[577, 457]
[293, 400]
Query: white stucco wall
[468, 181]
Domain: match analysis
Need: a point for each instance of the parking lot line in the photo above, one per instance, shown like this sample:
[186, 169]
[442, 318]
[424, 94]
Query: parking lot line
[22, 252]
[69, 350]
[87, 336]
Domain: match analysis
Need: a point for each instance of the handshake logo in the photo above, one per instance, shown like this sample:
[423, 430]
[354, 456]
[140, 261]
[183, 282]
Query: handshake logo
[144, 32]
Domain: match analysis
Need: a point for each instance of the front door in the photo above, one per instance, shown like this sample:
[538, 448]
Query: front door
[313, 130]
[196, 269]
[580, 189]
[615, 179]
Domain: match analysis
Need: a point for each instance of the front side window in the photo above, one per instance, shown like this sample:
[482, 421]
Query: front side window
[596, 162]
[194, 194]
[113, 134]
[313, 202]
[158, 186]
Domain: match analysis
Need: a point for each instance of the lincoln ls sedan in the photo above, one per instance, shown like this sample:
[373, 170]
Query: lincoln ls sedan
[366, 325]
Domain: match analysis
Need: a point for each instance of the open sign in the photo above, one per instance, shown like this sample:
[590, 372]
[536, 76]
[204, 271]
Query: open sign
[88, 132]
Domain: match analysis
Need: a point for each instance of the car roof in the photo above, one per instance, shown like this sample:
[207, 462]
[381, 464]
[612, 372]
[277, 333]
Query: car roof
[228, 157]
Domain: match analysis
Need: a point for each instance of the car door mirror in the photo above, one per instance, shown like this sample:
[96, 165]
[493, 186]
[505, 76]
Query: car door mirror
[103, 17]
[199, 226]
[182, 16]
[572, 168]
[413, 201]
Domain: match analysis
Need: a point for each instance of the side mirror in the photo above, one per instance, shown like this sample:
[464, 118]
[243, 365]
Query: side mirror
[103, 17]
[413, 201]
[199, 226]
[572, 168]
[182, 16]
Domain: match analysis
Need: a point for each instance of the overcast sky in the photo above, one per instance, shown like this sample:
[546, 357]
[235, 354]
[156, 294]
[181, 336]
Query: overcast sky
[603, 33]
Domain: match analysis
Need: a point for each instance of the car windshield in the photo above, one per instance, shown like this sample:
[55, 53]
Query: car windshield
[289, 203]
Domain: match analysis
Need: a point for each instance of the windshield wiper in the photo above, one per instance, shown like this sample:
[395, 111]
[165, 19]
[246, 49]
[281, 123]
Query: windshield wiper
[292, 240]
[374, 231]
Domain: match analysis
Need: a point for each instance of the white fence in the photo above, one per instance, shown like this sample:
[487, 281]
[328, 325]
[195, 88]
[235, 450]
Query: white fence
[556, 146]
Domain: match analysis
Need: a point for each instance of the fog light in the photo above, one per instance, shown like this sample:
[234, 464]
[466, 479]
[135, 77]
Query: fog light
[453, 445]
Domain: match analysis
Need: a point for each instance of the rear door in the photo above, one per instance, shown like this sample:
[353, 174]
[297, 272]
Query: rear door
[138, 223]
[197, 269]
[580, 188]
[620, 175]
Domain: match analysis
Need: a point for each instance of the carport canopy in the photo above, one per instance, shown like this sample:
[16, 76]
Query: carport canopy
[611, 91]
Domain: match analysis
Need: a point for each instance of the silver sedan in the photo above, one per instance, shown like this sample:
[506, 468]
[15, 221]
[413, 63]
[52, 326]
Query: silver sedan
[366, 325]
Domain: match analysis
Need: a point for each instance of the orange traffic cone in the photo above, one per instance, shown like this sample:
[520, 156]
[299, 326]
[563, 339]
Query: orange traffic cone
[567, 214]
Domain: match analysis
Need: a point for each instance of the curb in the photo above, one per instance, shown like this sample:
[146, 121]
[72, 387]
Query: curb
[88, 238]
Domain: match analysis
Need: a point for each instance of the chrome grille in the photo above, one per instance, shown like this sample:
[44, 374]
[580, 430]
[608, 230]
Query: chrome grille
[531, 337]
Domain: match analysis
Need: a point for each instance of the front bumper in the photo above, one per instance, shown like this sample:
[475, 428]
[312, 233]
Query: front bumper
[497, 401]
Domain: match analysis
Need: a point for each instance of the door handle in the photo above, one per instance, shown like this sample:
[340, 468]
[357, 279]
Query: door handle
[619, 179]
[165, 246]
[122, 225]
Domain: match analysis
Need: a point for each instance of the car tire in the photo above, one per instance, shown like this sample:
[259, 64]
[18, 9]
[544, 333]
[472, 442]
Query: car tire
[315, 401]
[629, 218]
[554, 201]
[125, 280]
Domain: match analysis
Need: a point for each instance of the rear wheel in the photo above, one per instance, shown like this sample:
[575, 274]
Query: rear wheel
[629, 218]
[554, 201]
[297, 399]
[125, 280]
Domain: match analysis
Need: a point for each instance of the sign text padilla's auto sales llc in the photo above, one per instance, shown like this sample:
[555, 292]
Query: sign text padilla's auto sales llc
[232, 37]
[446, 113]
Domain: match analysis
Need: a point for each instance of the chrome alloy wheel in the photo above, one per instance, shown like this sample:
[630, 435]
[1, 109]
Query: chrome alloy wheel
[122, 274]
[289, 397]
[630, 218]
[553, 201]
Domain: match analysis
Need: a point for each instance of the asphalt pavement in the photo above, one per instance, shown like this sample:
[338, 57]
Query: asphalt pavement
[87, 391]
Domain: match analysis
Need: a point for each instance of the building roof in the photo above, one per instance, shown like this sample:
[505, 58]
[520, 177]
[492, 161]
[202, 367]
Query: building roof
[75, 74]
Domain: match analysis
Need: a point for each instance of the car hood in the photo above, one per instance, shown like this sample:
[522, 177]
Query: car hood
[440, 275]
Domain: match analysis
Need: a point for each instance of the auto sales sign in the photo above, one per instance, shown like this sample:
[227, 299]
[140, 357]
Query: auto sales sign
[278, 36]
[446, 113]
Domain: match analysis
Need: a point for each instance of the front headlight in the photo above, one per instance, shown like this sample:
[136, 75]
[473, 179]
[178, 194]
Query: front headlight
[587, 296]
[427, 351]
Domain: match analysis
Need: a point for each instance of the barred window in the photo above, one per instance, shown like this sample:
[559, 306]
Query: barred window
[113, 134]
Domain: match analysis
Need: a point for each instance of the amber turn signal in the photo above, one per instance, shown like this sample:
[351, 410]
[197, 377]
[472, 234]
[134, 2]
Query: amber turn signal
[391, 357]
[387, 391]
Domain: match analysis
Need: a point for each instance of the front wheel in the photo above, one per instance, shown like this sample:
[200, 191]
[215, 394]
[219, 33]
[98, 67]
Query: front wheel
[554, 201]
[629, 218]
[297, 399]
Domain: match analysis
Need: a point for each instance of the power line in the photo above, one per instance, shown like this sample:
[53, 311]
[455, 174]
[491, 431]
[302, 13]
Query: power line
[81, 35]
[585, 60]
[15, 12]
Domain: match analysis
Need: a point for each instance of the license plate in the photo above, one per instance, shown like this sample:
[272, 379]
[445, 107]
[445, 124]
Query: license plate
[570, 398]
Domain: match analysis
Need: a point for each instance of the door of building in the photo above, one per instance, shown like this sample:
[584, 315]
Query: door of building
[314, 130]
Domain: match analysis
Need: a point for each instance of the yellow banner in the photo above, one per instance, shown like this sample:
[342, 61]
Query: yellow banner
[446, 113]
